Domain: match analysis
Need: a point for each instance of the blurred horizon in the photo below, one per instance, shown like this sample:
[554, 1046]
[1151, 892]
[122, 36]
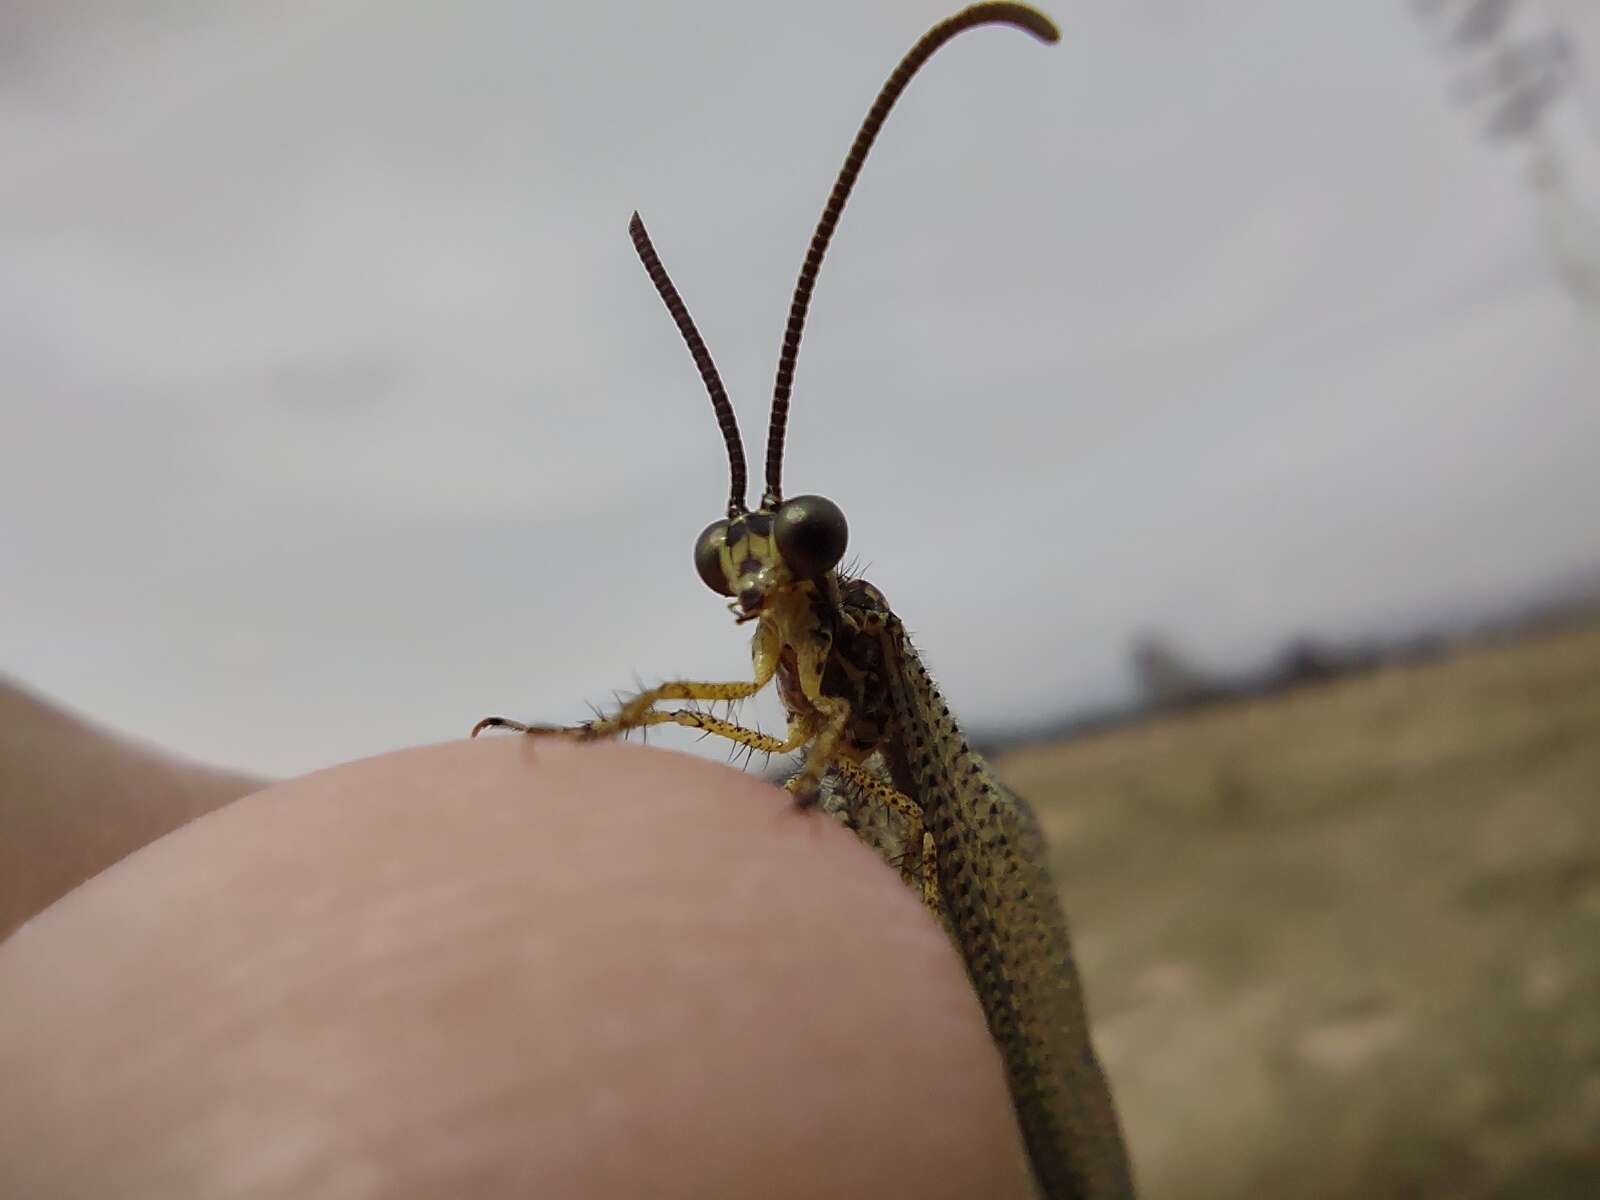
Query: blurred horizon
[342, 414]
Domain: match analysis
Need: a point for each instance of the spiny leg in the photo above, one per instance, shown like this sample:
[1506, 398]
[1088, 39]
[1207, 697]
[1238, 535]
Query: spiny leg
[805, 783]
[634, 713]
[917, 840]
[753, 739]
[637, 712]
[932, 898]
[764, 657]
[688, 718]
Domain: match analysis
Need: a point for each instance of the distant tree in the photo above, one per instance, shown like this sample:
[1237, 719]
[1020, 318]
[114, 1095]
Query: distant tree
[1306, 661]
[1166, 678]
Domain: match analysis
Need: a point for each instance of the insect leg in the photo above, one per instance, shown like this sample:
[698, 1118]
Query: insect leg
[753, 738]
[806, 782]
[636, 713]
[917, 840]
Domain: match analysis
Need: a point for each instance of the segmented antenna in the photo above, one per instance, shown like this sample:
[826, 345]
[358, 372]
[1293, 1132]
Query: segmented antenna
[702, 359]
[1019, 15]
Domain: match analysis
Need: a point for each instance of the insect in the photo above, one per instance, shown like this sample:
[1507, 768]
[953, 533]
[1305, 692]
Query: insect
[880, 746]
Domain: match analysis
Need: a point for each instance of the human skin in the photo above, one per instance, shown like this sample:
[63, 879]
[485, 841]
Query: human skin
[75, 798]
[498, 968]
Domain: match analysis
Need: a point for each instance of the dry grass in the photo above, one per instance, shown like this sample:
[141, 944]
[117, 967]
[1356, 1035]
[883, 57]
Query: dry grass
[1347, 942]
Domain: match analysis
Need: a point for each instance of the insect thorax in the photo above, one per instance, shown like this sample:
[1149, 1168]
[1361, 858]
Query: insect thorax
[836, 629]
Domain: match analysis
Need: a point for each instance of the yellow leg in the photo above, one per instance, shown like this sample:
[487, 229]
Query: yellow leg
[925, 877]
[931, 899]
[808, 780]
[760, 742]
[688, 718]
[639, 711]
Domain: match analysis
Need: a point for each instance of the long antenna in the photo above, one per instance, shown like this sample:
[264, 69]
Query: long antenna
[1019, 15]
[702, 359]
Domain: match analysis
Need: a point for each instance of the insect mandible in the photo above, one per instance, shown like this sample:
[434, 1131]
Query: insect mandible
[880, 746]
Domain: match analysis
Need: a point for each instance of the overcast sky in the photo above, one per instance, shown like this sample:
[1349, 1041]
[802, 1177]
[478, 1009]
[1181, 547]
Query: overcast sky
[338, 411]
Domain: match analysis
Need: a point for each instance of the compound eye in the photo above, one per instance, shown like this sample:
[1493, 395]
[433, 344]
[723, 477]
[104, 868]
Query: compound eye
[811, 533]
[708, 557]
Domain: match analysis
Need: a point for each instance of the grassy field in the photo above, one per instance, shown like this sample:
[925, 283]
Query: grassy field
[1346, 942]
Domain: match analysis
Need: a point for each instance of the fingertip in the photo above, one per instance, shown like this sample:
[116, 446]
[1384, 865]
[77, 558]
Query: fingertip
[594, 970]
